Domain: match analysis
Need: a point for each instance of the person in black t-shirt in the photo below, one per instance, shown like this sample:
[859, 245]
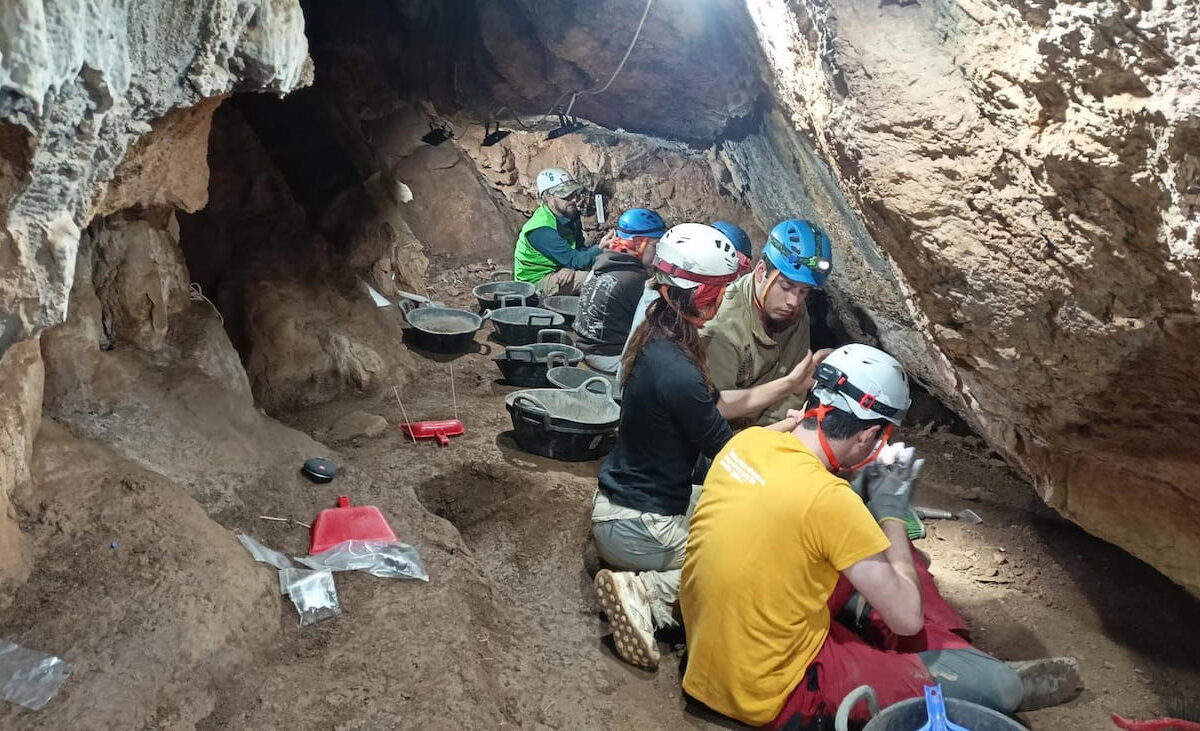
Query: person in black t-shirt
[670, 415]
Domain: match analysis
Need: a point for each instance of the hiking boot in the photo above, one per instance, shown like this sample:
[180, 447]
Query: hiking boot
[622, 596]
[1047, 681]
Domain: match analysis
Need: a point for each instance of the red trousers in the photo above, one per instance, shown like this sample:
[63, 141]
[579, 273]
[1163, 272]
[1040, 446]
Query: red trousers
[879, 658]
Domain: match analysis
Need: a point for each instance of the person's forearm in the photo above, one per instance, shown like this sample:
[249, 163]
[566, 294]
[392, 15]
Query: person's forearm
[749, 401]
[899, 555]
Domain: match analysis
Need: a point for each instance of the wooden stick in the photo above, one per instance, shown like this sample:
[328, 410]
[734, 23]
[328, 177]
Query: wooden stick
[290, 521]
[452, 393]
[405, 414]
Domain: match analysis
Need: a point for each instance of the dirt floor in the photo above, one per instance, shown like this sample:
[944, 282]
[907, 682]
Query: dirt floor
[506, 633]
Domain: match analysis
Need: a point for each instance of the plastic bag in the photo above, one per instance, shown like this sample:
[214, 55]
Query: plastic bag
[385, 559]
[289, 576]
[314, 595]
[28, 677]
[264, 554]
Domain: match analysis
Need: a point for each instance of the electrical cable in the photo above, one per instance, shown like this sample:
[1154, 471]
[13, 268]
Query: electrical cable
[620, 66]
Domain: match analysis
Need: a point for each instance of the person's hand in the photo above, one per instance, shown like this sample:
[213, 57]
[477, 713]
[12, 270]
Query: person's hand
[563, 277]
[607, 239]
[889, 481]
[789, 422]
[801, 377]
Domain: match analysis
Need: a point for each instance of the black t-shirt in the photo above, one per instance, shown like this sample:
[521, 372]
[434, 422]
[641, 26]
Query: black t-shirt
[668, 418]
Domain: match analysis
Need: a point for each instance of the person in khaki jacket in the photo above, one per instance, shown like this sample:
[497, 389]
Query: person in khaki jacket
[762, 329]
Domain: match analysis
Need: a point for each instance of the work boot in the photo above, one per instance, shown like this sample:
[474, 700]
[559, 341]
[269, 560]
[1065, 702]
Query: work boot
[1047, 681]
[623, 598]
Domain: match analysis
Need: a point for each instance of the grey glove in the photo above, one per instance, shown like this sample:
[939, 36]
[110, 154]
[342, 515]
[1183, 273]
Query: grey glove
[890, 480]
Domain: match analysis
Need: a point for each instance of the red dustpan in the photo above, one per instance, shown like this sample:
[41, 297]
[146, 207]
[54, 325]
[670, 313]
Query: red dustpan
[440, 430]
[346, 523]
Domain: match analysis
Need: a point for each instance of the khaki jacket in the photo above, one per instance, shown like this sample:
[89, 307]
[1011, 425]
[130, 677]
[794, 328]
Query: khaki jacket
[741, 354]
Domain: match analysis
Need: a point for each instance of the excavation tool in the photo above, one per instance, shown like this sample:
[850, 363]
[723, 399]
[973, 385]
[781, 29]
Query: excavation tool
[439, 429]
[348, 523]
[966, 516]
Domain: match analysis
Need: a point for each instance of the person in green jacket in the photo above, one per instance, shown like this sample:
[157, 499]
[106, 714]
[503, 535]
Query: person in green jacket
[550, 251]
[762, 329]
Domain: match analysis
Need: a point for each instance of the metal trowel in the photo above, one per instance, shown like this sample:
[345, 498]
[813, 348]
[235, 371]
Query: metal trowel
[966, 516]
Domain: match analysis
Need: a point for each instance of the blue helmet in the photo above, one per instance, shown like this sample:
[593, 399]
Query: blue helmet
[801, 251]
[733, 232]
[640, 222]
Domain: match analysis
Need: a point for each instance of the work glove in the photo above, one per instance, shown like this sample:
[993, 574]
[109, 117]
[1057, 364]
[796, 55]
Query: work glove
[889, 482]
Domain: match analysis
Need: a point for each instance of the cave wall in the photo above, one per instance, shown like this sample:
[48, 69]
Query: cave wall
[1027, 170]
[80, 85]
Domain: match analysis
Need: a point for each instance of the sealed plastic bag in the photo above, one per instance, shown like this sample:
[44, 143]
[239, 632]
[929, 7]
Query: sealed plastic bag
[289, 576]
[385, 559]
[264, 554]
[314, 595]
[30, 678]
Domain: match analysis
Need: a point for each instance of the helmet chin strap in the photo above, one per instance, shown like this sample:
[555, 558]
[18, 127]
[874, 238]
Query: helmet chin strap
[834, 463]
[760, 302]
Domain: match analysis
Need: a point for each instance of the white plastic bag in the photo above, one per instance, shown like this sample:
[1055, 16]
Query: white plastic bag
[28, 677]
[385, 559]
[314, 595]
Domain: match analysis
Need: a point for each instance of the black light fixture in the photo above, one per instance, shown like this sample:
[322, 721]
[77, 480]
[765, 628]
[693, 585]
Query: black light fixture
[437, 134]
[492, 136]
[566, 125]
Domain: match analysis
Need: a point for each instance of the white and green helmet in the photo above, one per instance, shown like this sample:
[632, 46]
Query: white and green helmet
[864, 381]
[557, 181]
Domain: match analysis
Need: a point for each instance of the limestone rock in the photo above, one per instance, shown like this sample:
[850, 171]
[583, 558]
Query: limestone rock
[82, 82]
[357, 424]
[21, 378]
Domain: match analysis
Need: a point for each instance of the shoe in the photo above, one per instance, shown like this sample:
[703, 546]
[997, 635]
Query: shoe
[623, 598]
[1047, 682]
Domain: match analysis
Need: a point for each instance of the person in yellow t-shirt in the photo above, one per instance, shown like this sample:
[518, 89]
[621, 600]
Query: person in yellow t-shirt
[774, 533]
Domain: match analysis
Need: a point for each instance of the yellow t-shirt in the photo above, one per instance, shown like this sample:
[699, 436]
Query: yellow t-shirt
[771, 532]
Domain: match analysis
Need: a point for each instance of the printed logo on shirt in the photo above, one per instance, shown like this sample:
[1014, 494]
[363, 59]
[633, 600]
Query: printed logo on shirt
[741, 471]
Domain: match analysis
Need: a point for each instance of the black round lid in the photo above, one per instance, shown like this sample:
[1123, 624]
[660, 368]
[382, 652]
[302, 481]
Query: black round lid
[319, 469]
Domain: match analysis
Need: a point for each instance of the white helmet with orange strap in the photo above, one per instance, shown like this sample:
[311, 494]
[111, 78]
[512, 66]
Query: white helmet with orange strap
[865, 382]
[692, 254]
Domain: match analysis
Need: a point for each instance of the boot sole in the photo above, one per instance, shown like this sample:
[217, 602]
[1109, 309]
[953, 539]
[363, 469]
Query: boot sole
[633, 645]
[1048, 682]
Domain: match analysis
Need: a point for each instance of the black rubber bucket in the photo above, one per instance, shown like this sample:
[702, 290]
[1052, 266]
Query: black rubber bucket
[521, 325]
[526, 365]
[569, 377]
[566, 305]
[572, 426]
[913, 714]
[515, 294]
[443, 330]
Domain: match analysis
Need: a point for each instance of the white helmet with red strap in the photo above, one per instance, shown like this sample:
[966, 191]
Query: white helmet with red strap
[692, 254]
[864, 381]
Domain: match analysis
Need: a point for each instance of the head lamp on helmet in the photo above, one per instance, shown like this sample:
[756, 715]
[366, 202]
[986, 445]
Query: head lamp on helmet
[865, 382]
[801, 251]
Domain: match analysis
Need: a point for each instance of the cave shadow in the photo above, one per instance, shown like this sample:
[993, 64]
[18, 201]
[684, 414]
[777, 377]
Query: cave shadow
[1135, 603]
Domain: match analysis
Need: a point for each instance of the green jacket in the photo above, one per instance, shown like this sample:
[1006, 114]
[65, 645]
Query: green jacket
[529, 264]
[741, 354]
